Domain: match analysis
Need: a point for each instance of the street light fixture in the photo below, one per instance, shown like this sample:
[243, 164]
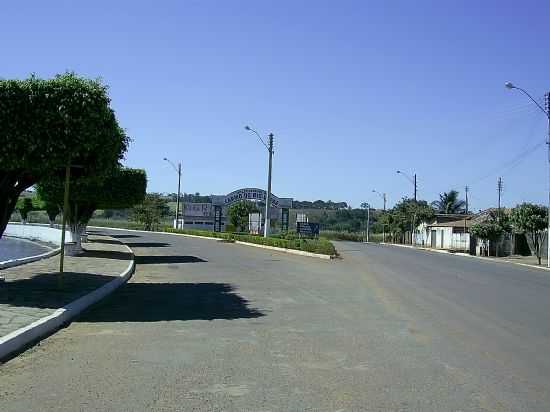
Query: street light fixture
[178, 171]
[546, 111]
[269, 147]
[413, 181]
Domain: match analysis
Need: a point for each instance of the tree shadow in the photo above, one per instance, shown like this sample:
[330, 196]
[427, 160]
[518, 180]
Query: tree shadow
[134, 244]
[41, 291]
[124, 236]
[148, 244]
[153, 260]
[106, 254]
[154, 302]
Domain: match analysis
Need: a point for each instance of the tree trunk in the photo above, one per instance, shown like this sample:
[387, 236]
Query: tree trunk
[11, 186]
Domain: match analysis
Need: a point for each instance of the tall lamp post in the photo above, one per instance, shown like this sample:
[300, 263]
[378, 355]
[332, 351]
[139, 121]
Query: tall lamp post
[178, 171]
[366, 206]
[413, 181]
[383, 196]
[269, 147]
[546, 111]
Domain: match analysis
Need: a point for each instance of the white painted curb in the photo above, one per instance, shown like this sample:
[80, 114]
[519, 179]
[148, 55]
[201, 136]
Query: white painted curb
[279, 249]
[21, 261]
[48, 324]
[291, 251]
[466, 255]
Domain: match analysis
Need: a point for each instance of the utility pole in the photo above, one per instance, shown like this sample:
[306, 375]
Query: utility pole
[178, 171]
[466, 189]
[499, 188]
[415, 187]
[546, 111]
[268, 195]
[368, 221]
[547, 105]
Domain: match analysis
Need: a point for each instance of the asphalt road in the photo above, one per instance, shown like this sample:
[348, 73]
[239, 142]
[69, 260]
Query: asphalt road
[12, 248]
[208, 326]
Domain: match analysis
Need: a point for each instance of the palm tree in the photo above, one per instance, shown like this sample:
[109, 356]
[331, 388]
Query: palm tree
[449, 203]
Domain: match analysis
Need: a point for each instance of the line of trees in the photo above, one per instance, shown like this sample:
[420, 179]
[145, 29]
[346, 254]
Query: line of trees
[49, 125]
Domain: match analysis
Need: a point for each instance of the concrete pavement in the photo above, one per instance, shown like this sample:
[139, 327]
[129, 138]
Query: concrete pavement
[209, 326]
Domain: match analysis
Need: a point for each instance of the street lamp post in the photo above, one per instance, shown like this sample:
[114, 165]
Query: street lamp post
[269, 147]
[178, 171]
[366, 206]
[413, 181]
[546, 111]
[383, 196]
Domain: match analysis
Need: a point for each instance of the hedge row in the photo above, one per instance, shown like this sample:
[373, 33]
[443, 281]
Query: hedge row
[321, 246]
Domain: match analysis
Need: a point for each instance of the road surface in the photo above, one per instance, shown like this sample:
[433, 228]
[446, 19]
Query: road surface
[209, 326]
[12, 248]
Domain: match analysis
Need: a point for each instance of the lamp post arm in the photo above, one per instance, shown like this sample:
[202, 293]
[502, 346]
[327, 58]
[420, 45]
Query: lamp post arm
[533, 100]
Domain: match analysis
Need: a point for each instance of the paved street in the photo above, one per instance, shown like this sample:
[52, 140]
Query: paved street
[12, 248]
[209, 326]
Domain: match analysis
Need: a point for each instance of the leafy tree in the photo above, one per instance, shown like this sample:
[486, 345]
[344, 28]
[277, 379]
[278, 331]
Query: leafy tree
[108, 213]
[46, 125]
[532, 220]
[150, 212]
[121, 188]
[492, 228]
[449, 203]
[238, 214]
[52, 210]
[24, 207]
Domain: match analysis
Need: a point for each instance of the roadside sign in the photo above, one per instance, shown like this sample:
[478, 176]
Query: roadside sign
[307, 228]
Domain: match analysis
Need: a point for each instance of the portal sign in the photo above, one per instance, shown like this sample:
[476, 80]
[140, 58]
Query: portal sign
[250, 194]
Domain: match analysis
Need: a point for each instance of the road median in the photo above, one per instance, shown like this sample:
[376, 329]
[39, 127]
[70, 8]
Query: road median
[33, 304]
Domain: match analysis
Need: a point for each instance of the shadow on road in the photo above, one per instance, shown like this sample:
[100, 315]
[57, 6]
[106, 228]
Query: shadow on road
[152, 260]
[106, 254]
[131, 244]
[153, 302]
[41, 291]
[124, 236]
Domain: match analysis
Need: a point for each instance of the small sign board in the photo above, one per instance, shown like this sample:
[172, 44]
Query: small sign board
[307, 229]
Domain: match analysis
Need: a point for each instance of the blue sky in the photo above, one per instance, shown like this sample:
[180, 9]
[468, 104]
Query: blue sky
[352, 90]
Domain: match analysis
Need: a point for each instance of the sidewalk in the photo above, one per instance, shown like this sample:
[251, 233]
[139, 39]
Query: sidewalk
[529, 261]
[30, 292]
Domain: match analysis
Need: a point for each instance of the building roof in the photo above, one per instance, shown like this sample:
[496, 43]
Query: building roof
[467, 221]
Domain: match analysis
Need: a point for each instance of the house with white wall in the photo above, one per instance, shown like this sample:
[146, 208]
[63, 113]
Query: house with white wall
[449, 232]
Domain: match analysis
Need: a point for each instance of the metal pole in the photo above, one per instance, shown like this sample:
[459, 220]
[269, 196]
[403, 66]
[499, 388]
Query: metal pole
[368, 222]
[548, 145]
[64, 222]
[268, 195]
[384, 202]
[415, 187]
[178, 199]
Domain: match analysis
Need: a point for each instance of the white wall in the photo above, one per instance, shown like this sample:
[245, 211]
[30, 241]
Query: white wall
[35, 232]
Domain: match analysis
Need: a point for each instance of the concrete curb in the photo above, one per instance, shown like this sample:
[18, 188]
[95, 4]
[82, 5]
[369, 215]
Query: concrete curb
[486, 259]
[291, 251]
[21, 261]
[18, 339]
[279, 249]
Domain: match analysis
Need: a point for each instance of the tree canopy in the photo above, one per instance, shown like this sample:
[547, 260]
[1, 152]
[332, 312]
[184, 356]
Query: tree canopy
[121, 188]
[449, 203]
[532, 220]
[238, 214]
[46, 124]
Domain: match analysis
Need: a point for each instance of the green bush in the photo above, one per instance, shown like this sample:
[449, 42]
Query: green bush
[321, 246]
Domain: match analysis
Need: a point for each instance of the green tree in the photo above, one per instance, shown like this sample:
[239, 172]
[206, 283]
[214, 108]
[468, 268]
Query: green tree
[52, 210]
[121, 188]
[150, 212]
[532, 220]
[46, 125]
[407, 215]
[238, 214]
[24, 207]
[492, 228]
[449, 203]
